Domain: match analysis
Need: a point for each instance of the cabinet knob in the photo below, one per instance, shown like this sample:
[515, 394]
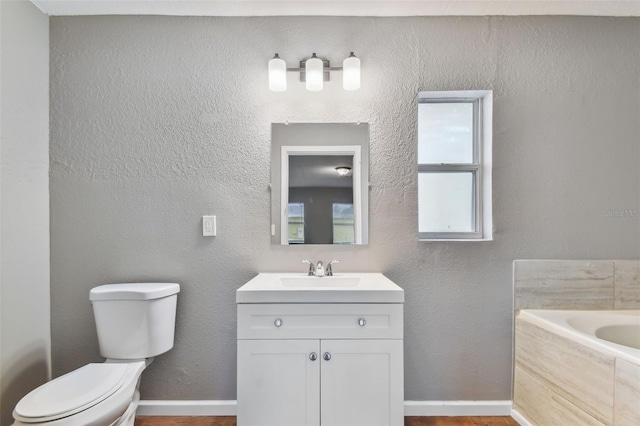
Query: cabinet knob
[326, 356]
[277, 322]
[313, 356]
[362, 322]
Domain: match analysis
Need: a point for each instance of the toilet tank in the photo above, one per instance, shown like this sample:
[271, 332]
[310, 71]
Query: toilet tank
[135, 320]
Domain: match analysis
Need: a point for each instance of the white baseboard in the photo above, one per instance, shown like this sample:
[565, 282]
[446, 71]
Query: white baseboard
[187, 408]
[457, 408]
[411, 408]
[522, 421]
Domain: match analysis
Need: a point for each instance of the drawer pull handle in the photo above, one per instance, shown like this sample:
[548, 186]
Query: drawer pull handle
[362, 322]
[277, 322]
[313, 356]
[326, 356]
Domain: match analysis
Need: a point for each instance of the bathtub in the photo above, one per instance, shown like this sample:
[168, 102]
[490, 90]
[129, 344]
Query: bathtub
[615, 332]
[577, 367]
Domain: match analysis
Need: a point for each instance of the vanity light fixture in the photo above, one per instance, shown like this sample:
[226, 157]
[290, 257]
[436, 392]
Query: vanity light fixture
[314, 71]
[277, 74]
[351, 73]
[343, 171]
[314, 68]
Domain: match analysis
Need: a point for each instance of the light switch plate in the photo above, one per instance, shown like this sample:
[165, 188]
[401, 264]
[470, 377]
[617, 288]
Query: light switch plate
[209, 226]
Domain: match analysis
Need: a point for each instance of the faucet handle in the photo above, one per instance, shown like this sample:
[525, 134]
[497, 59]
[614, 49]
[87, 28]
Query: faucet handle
[312, 268]
[328, 270]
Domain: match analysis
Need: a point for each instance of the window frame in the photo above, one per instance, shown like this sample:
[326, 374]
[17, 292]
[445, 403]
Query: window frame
[477, 167]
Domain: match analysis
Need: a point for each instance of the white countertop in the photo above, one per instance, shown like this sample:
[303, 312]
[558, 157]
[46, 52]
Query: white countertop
[301, 288]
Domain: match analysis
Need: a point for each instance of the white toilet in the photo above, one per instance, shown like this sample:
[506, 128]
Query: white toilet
[135, 322]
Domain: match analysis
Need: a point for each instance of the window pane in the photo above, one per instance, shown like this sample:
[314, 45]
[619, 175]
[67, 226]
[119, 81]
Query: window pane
[445, 133]
[446, 202]
[295, 213]
[343, 223]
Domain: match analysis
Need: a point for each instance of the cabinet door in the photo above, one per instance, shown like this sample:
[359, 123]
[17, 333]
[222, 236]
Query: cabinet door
[362, 383]
[278, 383]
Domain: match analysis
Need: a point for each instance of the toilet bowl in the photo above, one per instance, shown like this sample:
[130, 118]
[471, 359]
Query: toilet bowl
[96, 394]
[135, 322]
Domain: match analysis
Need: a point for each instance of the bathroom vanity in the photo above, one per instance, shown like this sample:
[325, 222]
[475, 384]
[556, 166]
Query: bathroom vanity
[320, 351]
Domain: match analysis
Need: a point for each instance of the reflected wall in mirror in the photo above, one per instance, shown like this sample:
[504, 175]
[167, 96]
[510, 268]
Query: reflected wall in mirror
[319, 174]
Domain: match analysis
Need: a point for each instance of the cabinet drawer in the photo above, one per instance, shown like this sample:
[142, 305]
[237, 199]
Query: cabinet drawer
[320, 321]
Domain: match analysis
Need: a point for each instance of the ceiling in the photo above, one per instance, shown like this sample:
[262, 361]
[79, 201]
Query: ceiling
[319, 171]
[339, 8]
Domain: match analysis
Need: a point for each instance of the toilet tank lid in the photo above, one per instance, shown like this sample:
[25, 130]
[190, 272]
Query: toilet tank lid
[133, 291]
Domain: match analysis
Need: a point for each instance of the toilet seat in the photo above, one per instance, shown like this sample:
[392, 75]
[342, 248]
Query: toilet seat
[72, 393]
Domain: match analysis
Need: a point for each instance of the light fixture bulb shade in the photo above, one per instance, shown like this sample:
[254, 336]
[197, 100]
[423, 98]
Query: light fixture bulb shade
[314, 73]
[351, 73]
[277, 74]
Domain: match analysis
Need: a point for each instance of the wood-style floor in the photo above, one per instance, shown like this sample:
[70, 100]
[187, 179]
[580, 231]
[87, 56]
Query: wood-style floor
[408, 421]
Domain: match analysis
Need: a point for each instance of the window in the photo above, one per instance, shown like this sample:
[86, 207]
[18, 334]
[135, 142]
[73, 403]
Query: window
[295, 230]
[343, 223]
[454, 165]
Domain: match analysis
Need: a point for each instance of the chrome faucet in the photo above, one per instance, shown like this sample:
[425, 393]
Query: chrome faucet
[328, 271]
[319, 270]
[312, 268]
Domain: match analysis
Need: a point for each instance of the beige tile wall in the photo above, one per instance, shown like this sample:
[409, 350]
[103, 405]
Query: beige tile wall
[626, 406]
[542, 406]
[563, 284]
[627, 284]
[580, 375]
[576, 284]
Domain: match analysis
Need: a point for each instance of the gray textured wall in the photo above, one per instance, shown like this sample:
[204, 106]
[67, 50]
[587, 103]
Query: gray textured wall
[157, 121]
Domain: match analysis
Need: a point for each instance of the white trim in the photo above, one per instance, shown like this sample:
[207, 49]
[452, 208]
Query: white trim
[288, 150]
[457, 408]
[187, 408]
[411, 408]
[487, 164]
[522, 421]
[342, 8]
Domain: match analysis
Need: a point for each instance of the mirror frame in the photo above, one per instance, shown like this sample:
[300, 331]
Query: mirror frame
[301, 135]
[288, 150]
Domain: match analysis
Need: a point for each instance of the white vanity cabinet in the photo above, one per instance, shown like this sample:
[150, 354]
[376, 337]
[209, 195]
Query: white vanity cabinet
[312, 364]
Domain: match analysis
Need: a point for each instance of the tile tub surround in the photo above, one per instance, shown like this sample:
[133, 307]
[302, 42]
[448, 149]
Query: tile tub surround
[627, 284]
[576, 284]
[627, 393]
[550, 384]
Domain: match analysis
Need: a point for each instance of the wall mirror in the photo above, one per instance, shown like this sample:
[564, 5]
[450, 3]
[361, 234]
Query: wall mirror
[319, 183]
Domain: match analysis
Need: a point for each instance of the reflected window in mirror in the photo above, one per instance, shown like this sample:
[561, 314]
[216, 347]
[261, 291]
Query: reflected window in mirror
[343, 224]
[295, 213]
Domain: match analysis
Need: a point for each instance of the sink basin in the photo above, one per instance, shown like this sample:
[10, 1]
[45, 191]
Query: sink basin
[301, 288]
[323, 282]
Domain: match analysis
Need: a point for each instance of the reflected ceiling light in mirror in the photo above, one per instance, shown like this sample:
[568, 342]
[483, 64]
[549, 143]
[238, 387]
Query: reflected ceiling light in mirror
[314, 71]
[343, 171]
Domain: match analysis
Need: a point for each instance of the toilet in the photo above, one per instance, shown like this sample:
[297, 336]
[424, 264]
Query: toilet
[135, 322]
